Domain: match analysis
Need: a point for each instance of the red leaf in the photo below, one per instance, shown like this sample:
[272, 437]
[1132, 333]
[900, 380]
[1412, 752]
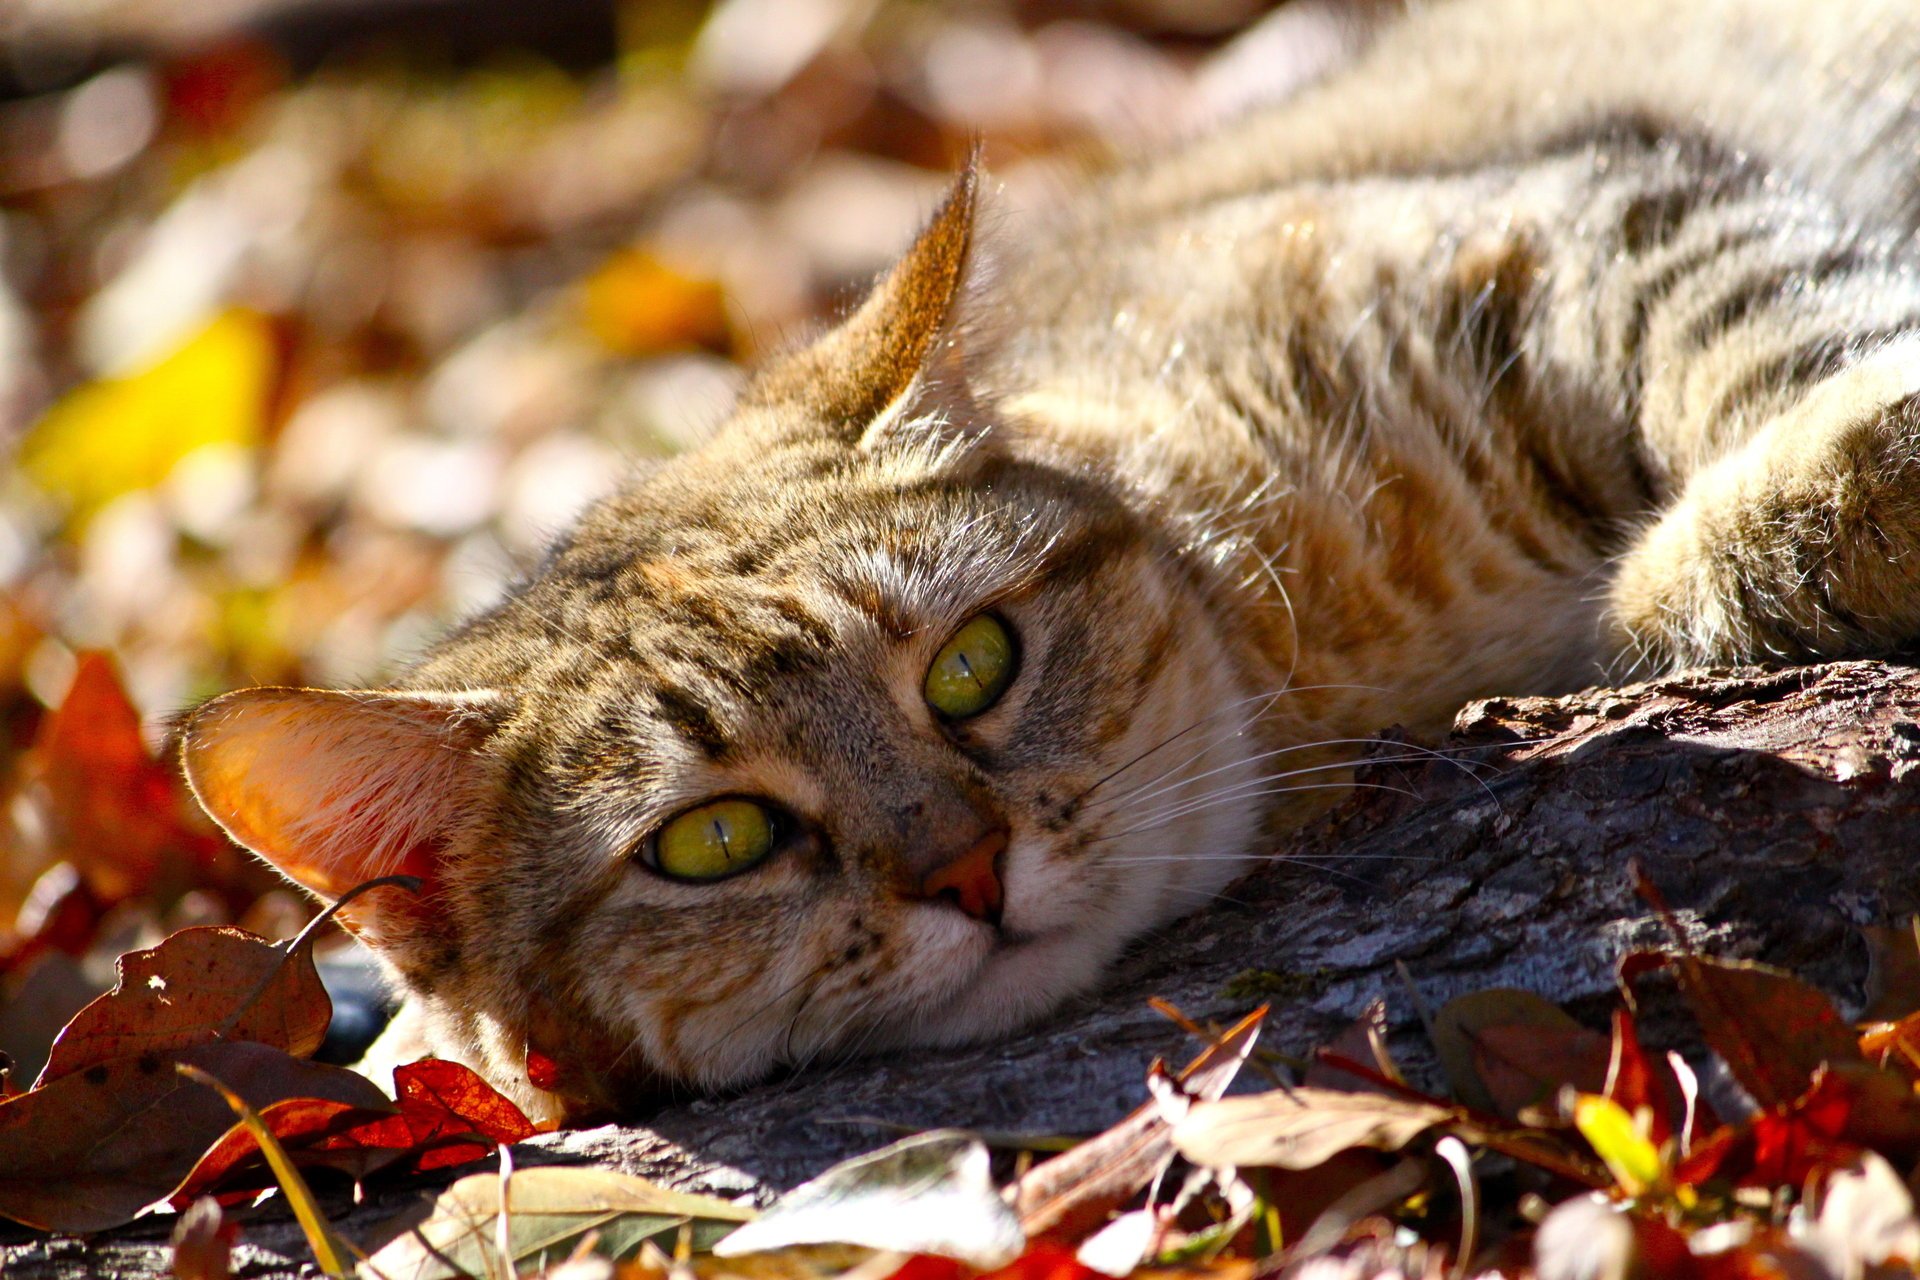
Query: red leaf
[1773, 1031]
[1847, 1109]
[1637, 1083]
[1044, 1261]
[444, 1101]
[927, 1266]
[114, 812]
[447, 1115]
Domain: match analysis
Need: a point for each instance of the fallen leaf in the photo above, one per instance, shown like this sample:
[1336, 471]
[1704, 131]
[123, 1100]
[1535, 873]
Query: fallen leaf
[305, 1127]
[91, 1149]
[932, 1193]
[447, 1115]
[121, 434]
[115, 813]
[1073, 1193]
[1504, 1050]
[1300, 1128]
[186, 990]
[444, 1107]
[550, 1210]
[1773, 1031]
[328, 1249]
[1630, 1156]
[637, 305]
[1639, 1084]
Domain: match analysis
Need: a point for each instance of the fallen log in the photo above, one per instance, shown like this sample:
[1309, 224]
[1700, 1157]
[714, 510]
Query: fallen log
[1777, 812]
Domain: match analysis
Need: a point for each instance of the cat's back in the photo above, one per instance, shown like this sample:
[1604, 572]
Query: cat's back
[1825, 92]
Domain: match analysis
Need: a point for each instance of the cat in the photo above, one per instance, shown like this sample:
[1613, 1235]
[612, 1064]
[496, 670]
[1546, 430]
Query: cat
[1020, 612]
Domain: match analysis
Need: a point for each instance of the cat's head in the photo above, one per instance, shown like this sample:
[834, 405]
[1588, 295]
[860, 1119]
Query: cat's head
[873, 720]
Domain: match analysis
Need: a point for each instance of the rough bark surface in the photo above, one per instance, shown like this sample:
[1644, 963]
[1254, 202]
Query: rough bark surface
[1777, 811]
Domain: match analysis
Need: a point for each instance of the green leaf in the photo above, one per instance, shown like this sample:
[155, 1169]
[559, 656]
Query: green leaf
[549, 1209]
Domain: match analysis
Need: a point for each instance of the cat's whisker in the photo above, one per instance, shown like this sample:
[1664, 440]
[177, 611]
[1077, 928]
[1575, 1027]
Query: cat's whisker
[752, 1016]
[1253, 789]
[1168, 741]
[1412, 751]
[1243, 786]
[1270, 699]
[826, 1042]
[1311, 786]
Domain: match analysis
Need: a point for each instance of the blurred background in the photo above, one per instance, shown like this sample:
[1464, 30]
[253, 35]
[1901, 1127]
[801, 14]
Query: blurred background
[318, 318]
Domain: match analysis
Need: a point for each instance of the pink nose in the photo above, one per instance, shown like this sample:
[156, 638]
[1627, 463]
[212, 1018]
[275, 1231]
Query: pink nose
[971, 881]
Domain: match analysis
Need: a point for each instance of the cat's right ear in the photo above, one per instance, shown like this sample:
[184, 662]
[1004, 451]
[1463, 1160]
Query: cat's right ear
[901, 343]
[335, 788]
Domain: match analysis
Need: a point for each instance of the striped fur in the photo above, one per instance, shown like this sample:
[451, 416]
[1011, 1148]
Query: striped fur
[1548, 341]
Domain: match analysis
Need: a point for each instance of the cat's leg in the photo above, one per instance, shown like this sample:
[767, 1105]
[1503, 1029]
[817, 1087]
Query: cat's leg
[1800, 542]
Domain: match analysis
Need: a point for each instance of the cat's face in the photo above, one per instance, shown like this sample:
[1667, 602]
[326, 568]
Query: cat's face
[866, 723]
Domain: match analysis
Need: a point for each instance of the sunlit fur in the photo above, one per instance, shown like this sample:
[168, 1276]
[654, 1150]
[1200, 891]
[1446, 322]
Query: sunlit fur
[1548, 341]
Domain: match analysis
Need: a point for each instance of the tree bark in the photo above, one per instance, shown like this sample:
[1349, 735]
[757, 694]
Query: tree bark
[1776, 811]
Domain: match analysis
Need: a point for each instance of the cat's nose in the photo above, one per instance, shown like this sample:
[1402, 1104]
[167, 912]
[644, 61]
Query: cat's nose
[971, 881]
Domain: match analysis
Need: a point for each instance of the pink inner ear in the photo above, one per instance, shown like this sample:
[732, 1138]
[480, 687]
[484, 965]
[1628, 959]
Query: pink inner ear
[338, 788]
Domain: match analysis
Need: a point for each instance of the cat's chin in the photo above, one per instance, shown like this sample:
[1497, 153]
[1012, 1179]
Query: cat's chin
[1020, 979]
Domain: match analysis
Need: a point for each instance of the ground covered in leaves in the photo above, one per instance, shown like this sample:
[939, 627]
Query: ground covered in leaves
[314, 328]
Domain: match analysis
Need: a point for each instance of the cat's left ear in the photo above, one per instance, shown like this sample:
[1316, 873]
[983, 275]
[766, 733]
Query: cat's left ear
[899, 347]
[335, 788]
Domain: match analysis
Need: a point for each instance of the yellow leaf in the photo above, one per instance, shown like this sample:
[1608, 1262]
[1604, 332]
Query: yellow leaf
[121, 434]
[1632, 1159]
[637, 305]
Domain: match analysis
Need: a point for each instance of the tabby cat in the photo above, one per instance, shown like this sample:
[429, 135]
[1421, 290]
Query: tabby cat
[1021, 612]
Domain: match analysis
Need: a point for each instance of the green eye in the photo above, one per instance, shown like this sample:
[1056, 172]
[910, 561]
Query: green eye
[714, 840]
[972, 669]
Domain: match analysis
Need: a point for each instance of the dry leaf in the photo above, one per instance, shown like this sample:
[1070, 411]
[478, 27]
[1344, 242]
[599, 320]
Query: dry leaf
[1074, 1192]
[1300, 1128]
[447, 1115]
[91, 1149]
[1504, 1050]
[932, 1194]
[1773, 1031]
[185, 991]
[120, 434]
[550, 1209]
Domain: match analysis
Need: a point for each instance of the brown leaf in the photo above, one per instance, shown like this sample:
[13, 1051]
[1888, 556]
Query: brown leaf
[184, 991]
[1895, 1045]
[1773, 1031]
[1504, 1050]
[1893, 971]
[1300, 1128]
[1076, 1190]
[91, 1149]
